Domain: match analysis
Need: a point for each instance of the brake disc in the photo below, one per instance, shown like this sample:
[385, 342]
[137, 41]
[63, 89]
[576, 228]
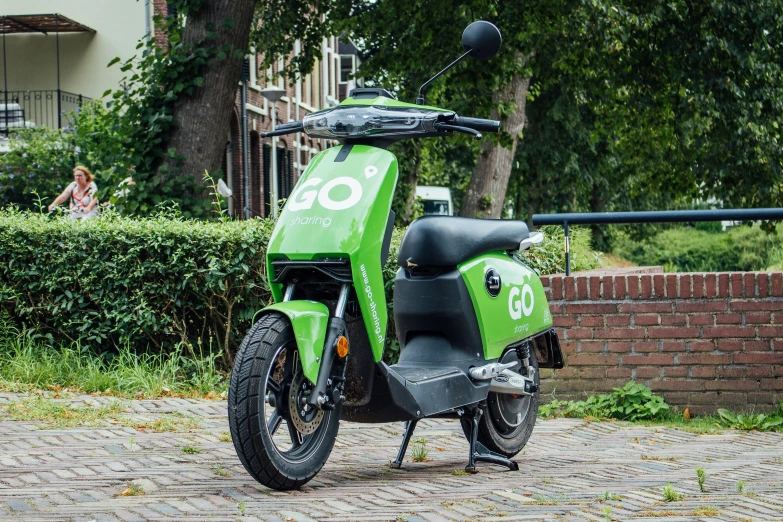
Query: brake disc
[305, 421]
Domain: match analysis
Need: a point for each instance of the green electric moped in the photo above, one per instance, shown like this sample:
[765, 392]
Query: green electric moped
[472, 320]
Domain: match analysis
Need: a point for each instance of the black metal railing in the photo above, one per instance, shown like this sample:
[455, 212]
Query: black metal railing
[656, 216]
[45, 108]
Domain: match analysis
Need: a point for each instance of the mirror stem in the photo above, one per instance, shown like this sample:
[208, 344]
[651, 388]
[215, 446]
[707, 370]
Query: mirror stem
[420, 99]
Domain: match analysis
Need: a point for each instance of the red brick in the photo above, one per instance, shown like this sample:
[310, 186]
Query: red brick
[777, 284]
[645, 308]
[750, 284]
[704, 358]
[677, 385]
[701, 346]
[619, 347]
[685, 286]
[557, 288]
[698, 286]
[728, 318]
[777, 318]
[711, 285]
[702, 372]
[591, 320]
[723, 285]
[619, 333]
[772, 384]
[595, 288]
[674, 346]
[566, 373]
[763, 282]
[757, 372]
[646, 320]
[592, 373]
[730, 372]
[569, 288]
[579, 333]
[674, 371]
[673, 333]
[592, 360]
[645, 346]
[771, 331]
[732, 385]
[757, 318]
[592, 346]
[581, 288]
[654, 359]
[564, 320]
[671, 286]
[658, 285]
[729, 331]
[758, 346]
[675, 398]
[618, 320]
[702, 306]
[557, 308]
[760, 398]
[701, 319]
[591, 308]
[648, 372]
[754, 306]
[647, 288]
[606, 287]
[673, 320]
[568, 347]
[758, 358]
[619, 373]
[730, 346]
[619, 287]
[633, 287]
[736, 285]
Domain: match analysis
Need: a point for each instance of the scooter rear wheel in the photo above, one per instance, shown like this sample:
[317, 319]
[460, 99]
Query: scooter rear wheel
[279, 443]
[508, 421]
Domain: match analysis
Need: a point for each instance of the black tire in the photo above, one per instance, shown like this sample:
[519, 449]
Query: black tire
[251, 384]
[495, 433]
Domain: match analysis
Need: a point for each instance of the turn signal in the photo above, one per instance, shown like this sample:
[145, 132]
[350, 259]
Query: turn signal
[342, 346]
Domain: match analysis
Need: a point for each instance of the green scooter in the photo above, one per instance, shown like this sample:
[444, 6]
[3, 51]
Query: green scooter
[472, 320]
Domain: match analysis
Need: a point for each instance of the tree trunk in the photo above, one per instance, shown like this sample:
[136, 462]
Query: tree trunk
[203, 119]
[486, 191]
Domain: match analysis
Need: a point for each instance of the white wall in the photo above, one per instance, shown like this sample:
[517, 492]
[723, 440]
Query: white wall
[31, 58]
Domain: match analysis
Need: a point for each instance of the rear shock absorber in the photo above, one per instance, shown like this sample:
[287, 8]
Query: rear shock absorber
[523, 352]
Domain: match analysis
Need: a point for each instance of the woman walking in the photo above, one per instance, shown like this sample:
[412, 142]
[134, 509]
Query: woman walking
[81, 193]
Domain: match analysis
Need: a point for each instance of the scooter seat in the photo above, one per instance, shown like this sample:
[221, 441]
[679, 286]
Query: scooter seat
[448, 241]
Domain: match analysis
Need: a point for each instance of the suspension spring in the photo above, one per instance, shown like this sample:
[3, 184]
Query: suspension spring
[523, 352]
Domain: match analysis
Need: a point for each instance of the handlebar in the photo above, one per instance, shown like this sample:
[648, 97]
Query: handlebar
[479, 124]
[284, 128]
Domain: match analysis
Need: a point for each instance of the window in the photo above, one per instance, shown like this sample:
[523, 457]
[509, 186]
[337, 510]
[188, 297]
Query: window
[347, 67]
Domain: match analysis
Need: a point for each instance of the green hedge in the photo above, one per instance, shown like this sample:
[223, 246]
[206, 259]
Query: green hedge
[160, 282]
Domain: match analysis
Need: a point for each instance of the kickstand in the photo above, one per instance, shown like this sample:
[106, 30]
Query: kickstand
[480, 453]
[406, 438]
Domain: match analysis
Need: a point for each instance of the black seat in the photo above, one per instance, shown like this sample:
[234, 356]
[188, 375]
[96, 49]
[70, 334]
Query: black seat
[448, 241]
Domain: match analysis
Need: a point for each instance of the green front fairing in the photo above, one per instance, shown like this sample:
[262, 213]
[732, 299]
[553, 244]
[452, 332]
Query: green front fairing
[518, 312]
[309, 230]
[309, 321]
[389, 102]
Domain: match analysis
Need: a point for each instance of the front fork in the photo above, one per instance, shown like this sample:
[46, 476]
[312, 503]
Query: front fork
[329, 389]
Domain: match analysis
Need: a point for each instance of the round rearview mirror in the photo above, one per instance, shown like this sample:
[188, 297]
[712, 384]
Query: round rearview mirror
[482, 39]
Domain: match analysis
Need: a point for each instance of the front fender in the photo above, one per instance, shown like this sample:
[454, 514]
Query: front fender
[309, 320]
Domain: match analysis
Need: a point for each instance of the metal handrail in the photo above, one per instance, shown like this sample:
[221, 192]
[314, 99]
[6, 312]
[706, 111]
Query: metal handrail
[653, 216]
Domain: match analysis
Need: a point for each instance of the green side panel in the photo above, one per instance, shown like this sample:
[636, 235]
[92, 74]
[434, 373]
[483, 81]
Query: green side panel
[339, 209]
[309, 320]
[382, 101]
[518, 312]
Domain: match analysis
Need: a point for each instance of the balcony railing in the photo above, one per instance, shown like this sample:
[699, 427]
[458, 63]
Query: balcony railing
[52, 108]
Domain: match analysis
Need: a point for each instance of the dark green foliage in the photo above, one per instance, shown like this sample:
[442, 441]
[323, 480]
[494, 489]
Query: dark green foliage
[686, 249]
[632, 402]
[752, 422]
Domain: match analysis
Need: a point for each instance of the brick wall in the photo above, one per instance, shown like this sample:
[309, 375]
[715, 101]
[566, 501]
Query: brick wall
[702, 340]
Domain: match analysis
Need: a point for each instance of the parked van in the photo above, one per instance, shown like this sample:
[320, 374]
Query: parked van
[436, 200]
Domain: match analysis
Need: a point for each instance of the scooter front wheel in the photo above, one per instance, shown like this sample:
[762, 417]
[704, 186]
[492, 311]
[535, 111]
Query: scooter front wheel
[508, 420]
[280, 442]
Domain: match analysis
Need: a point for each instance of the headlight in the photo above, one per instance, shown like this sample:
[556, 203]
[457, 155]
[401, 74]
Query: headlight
[368, 120]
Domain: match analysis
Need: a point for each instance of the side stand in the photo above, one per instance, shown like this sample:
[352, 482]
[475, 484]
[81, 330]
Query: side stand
[406, 438]
[480, 453]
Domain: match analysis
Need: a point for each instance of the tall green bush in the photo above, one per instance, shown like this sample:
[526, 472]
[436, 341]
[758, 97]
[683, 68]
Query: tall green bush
[162, 281]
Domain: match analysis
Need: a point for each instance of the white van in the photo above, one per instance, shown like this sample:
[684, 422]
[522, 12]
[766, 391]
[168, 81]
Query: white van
[436, 200]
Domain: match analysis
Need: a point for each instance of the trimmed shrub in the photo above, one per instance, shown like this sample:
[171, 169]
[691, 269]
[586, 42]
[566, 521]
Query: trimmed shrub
[162, 281]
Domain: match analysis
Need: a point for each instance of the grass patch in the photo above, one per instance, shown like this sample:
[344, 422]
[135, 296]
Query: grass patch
[670, 494]
[27, 364]
[165, 423]
[191, 450]
[133, 490]
[224, 436]
[55, 414]
[420, 451]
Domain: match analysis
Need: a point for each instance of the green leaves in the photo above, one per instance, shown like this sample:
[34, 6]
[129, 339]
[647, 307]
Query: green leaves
[749, 421]
[632, 402]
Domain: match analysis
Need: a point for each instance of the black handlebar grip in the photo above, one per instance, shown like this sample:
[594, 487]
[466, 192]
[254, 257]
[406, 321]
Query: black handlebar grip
[290, 126]
[480, 124]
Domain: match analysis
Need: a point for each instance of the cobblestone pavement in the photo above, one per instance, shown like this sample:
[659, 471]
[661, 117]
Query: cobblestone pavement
[78, 474]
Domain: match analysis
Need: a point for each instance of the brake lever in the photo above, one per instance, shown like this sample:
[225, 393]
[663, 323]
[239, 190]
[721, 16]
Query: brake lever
[457, 128]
